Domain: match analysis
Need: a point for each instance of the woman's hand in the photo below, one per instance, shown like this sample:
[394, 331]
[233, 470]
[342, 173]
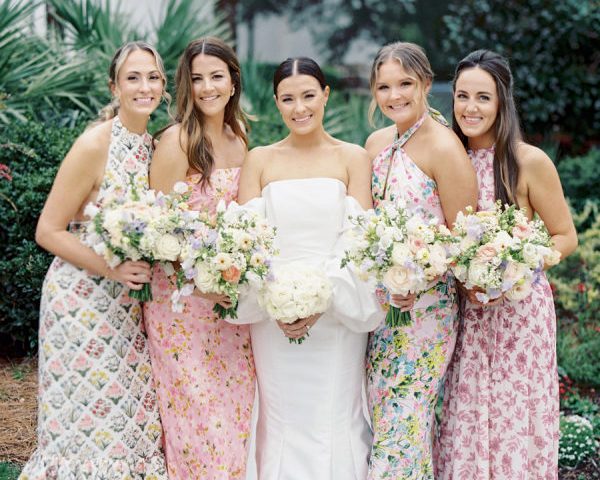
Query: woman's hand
[218, 298]
[131, 274]
[471, 294]
[300, 328]
[404, 302]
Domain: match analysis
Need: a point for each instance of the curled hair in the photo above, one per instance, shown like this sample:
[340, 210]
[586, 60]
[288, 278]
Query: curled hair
[112, 109]
[411, 58]
[198, 146]
[507, 131]
[298, 66]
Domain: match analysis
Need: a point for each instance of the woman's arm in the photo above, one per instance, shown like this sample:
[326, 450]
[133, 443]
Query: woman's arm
[79, 174]
[250, 176]
[169, 162]
[546, 197]
[359, 176]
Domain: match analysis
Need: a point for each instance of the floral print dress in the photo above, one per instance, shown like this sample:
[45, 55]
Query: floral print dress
[203, 367]
[406, 365]
[97, 415]
[501, 404]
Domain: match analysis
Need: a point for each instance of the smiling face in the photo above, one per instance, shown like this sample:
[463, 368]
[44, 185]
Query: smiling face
[476, 106]
[399, 94]
[301, 102]
[139, 85]
[211, 83]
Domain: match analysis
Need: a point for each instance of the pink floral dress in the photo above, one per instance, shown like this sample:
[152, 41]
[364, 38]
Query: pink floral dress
[97, 411]
[406, 365]
[203, 367]
[501, 412]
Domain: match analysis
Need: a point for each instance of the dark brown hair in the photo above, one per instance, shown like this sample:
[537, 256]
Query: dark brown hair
[507, 131]
[199, 148]
[298, 66]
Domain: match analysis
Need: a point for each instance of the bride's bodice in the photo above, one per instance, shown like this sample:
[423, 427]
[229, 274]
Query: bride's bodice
[309, 215]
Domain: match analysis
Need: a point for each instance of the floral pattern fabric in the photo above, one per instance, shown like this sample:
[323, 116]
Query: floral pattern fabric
[97, 411]
[203, 367]
[500, 417]
[406, 365]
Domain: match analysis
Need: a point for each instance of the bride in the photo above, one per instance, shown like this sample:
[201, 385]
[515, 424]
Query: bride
[310, 417]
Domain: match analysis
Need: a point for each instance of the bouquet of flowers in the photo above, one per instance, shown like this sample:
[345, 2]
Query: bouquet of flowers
[501, 252]
[225, 253]
[402, 251]
[150, 227]
[297, 291]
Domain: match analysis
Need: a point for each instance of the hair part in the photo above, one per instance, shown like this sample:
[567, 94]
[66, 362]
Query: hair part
[112, 109]
[507, 130]
[298, 66]
[198, 146]
[411, 58]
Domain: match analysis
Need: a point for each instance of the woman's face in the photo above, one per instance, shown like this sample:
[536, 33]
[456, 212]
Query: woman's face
[476, 105]
[139, 84]
[399, 94]
[301, 102]
[211, 83]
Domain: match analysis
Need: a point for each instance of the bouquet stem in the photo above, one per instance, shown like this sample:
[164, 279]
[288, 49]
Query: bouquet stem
[143, 295]
[223, 312]
[298, 341]
[397, 318]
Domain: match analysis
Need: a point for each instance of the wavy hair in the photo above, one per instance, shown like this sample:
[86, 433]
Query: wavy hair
[507, 130]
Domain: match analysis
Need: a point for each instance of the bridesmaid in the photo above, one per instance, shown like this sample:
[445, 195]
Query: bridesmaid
[501, 408]
[98, 416]
[203, 365]
[420, 160]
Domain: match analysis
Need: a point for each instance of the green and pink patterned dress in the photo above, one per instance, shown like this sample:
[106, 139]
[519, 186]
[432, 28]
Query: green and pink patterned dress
[406, 365]
[97, 416]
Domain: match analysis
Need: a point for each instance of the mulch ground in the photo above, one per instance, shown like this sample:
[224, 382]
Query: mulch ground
[18, 409]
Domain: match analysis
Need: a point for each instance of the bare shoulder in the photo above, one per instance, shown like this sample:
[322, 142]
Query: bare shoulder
[90, 150]
[532, 159]
[258, 156]
[352, 153]
[380, 139]
[442, 140]
[172, 137]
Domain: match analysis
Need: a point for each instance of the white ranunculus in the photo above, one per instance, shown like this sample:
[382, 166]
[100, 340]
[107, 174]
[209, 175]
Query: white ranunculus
[400, 253]
[167, 247]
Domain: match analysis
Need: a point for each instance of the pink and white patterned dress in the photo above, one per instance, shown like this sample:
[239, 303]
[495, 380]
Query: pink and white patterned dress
[501, 406]
[97, 411]
[203, 368]
[406, 365]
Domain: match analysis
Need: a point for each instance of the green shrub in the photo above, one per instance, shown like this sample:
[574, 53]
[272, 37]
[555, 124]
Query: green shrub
[579, 355]
[9, 471]
[577, 440]
[580, 177]
[33, 152]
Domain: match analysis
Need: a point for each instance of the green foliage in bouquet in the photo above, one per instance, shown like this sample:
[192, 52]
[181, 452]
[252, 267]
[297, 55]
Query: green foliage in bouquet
[33, 152]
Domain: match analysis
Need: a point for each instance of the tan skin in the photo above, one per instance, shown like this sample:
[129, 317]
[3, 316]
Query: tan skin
[435, 149]
[538, 187]
[139, 87]
[212, 80]
[307, 152]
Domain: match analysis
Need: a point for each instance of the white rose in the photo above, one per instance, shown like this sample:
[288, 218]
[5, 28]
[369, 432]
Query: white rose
[167, 247]
[400, 253]
[478, 274]
[460, 272]
[532, 255]
[552, 258]
[437, 259]
[398, 280]
[91, 210]
[519, 291]
[180, 188]
[204, 279]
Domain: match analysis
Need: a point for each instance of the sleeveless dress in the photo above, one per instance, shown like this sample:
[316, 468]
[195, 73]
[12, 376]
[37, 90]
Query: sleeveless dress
[406, 365]
[311, 422]
[97, 411]
[500, 417]
[203, 368]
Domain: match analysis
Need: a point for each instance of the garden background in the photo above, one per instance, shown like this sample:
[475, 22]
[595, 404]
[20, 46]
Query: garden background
[54, 58]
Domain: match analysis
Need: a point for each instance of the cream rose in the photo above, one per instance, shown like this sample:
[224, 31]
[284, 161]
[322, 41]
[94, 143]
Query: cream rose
[168, 247]
[398, 280]
[204, 279]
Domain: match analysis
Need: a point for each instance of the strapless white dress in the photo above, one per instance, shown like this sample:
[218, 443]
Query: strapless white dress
[311, 424]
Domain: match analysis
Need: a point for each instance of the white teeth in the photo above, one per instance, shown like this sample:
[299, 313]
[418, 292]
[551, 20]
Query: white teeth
[208, 99]
[472, 120]
[397, 107]
[144, 100]
[302, 119]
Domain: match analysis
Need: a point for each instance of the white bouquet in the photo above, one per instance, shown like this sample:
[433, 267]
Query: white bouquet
[400, 250]
[225, 253]
[296, 291]
[150, 227]
[501, 252]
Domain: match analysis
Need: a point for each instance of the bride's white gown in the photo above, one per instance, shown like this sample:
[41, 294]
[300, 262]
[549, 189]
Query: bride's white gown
[310, 418]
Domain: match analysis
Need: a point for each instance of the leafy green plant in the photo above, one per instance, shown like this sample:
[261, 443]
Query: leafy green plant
[582, 406]
[580, 177]
[579, 355]
[9, 471]
[577, 441]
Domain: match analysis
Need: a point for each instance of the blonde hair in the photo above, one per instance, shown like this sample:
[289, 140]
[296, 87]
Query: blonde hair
[112, 109]
[411, 57]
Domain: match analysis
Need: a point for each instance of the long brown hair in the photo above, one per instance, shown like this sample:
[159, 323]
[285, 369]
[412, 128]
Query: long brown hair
[507, 131]
[110, 111]
[199, 148]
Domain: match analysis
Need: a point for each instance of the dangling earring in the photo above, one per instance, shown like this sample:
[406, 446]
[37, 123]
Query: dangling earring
[232, 92]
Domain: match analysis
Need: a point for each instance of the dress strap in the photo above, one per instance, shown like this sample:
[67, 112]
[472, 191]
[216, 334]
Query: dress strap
[387, 161]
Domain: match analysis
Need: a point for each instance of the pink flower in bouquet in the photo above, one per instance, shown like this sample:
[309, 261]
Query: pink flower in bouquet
[486, 253]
